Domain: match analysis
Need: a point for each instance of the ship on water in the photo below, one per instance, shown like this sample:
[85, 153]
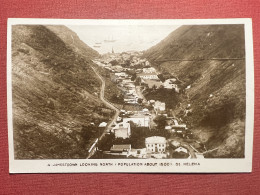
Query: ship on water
[109, 40]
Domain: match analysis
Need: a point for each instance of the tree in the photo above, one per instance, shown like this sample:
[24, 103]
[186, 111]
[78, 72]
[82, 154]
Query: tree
[114, 62]
[88, 132]
[133, 77]
[160, 121]
[106, 143]
[138, 81]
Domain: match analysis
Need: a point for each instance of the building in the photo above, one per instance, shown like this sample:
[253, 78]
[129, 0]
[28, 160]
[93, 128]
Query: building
[147, 63]
[180, 127]
[159, 106]
[181, 149]
[151, 101]
[140, 120]
[175, 143]
[121, 74]
[168, 127]
[149, 70]
[122, 130]
[124, 149]
[103, 124]
[155, 144]
[138, 153]
[148, 76]
[169, 84]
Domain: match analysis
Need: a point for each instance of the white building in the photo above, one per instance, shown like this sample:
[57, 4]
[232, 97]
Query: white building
[140, 120]
[103, 124]
[122, 130]
[148, 76]
[181, 149]
[169, 84]
[147, 63]
[175, 143]
[159, 106]
[180, 127]
[168, 127]
[149, 70]
[121, 74]
[155, 144]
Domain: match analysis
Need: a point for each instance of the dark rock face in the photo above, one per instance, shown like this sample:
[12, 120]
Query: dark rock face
[54, 93]
[211, 59]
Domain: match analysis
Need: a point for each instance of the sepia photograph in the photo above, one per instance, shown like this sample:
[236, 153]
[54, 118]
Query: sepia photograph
[130, 95]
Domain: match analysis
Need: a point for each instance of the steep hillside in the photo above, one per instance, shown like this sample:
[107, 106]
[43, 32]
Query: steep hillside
[73, 41]
[54, 93]
[209, 58]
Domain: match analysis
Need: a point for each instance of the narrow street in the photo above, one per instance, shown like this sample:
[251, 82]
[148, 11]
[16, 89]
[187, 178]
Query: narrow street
[106, 102]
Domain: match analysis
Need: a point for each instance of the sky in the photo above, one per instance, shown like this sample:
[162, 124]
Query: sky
[128, 37]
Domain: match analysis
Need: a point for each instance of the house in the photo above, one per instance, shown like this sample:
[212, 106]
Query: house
[169, 84]
[147, 63]
[175, 143]
[168, 127]
[124, 149]
[138, 153]
[122, 130]
[148, 76]
[118, 119]
[175, 121]
[103, 124]
[140, 120]
[130, 98]
[127, 82]
[151, 101]
[145, 110]
[188, 87]
[159, 106]
[180, 127]
[155, 144]
[181, 149]
[121, 74]
[149, 70]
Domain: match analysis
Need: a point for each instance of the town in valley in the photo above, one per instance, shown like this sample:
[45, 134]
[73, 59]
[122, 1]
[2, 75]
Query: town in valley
[142, 127]
[128, 91]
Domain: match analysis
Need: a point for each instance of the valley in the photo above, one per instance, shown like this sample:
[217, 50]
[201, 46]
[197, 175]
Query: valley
[182, 98]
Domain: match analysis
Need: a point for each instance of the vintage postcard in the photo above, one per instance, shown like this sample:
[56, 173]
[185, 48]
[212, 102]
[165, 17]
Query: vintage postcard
[166, 96]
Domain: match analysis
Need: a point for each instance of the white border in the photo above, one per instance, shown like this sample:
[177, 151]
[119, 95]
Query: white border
[206, 165]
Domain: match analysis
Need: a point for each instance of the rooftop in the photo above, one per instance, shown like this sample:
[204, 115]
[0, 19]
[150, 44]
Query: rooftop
[143, 74]
[139, 115]
[121, 125]
[103, 124]
[155, 139]
[121, 147]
